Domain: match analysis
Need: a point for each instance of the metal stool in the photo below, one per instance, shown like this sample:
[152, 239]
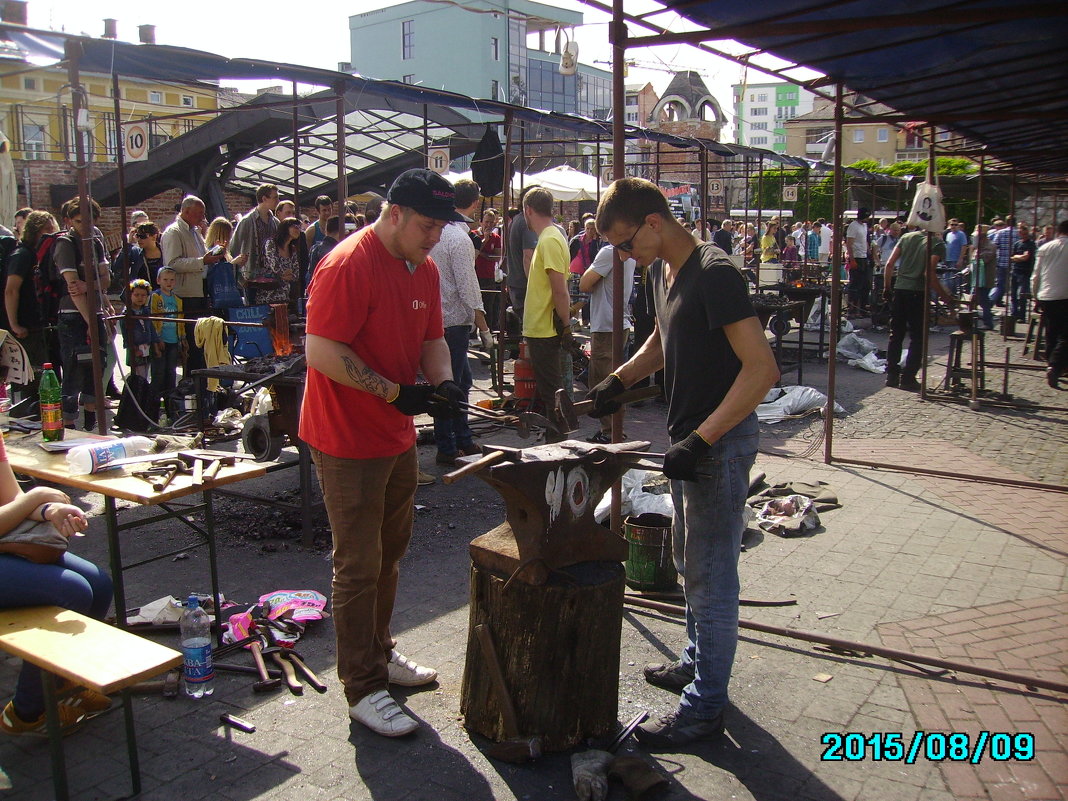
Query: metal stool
[955, 371]
[1036, 330]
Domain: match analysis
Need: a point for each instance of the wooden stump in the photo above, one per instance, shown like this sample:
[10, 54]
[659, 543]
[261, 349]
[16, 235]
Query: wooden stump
[558, 645]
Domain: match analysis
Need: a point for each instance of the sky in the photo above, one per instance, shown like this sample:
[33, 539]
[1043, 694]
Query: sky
[281, 31]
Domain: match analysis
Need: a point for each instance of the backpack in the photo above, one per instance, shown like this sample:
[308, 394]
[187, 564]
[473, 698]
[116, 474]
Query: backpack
[48, 284]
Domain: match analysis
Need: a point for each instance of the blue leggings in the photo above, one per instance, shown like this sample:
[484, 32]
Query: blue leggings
[72, 583]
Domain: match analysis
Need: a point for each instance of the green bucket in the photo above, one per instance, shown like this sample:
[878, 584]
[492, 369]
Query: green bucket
[649, 565]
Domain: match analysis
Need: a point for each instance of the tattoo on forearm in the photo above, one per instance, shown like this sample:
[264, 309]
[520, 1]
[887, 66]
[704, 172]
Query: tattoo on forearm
[365, 378]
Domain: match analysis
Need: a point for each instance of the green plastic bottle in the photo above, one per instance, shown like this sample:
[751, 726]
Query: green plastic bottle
[51, 397]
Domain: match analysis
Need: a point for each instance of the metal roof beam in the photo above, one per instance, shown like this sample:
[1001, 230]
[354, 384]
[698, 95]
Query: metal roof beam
[832, 27]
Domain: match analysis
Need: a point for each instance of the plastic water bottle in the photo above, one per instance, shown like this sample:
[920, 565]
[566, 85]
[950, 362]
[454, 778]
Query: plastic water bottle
[195, 628]
[51, 400]
[86, 459]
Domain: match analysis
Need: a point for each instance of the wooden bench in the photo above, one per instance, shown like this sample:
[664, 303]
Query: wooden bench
[90, 654]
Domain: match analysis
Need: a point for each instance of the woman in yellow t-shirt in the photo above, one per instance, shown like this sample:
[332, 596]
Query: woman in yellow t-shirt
[769, 245]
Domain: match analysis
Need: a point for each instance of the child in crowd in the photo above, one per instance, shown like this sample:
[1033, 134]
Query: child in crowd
[138, 336]
[171, 345]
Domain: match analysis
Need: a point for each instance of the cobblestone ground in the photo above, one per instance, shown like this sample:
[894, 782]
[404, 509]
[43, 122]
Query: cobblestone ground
[954, 569]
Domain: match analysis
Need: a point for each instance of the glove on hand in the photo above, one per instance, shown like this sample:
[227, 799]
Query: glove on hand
[445, 400]
[413, 399]
[589, 772]
[602, 395]
[680, 461]
[486, 337]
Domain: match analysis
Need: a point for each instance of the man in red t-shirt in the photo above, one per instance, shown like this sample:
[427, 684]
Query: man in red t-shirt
[374, 323]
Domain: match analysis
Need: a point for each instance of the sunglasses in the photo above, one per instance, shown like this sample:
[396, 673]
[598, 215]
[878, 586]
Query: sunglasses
[627, 246]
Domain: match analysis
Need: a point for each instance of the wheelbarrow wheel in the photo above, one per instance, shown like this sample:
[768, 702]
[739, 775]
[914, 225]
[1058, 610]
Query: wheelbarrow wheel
[256, 439]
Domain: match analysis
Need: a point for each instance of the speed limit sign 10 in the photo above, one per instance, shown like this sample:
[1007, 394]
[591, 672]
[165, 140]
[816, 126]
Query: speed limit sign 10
[135, 141]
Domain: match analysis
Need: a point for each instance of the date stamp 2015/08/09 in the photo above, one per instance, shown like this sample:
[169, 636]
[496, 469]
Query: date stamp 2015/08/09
[932, 746]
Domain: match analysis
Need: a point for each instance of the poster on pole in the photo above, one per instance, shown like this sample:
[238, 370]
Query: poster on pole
[135, 141]
[789, 194]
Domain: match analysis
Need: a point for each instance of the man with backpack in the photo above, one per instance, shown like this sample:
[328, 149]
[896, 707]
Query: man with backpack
[74, 314]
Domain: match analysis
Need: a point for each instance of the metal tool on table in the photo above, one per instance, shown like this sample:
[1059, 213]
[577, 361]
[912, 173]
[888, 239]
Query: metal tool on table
[501, 418]
[516, 748]
[567, 411]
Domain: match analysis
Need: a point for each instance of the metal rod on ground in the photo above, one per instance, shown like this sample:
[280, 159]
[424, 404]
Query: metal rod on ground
[874, 650]
[1008, 482]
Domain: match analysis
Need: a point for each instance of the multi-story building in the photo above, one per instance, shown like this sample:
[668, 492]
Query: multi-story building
[761, 111]
[37, 116]
[807, 135]
[506, 50]
[640, 100]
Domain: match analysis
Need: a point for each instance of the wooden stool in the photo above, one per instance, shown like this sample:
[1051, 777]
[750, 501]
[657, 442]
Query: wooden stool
[955, 371]
[557, 644]
[89, 654]
[1036, 330]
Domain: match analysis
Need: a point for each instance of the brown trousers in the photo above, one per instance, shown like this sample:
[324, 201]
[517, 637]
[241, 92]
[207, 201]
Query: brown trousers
[370, 505]
[600, 366]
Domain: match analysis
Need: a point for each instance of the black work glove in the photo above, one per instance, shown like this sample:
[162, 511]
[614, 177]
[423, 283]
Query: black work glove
[413, 399]
[680, 461]
[446, 400]
[602, 395]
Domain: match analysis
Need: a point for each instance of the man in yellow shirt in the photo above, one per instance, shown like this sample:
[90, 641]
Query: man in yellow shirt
[547, 313]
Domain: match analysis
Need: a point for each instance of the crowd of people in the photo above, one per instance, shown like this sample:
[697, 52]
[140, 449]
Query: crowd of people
[393, 298]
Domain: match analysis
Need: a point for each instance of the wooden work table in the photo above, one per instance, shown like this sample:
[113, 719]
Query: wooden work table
[28, 458]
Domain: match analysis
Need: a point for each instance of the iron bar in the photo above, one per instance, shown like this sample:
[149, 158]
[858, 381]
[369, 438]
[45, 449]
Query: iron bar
[836, 281]
[842, 644]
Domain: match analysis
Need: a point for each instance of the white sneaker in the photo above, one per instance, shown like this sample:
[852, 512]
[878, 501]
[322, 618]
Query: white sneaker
[406, 673]
[382, 715]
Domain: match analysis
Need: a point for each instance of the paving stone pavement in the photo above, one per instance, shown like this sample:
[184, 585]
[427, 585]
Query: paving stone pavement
[961, 570]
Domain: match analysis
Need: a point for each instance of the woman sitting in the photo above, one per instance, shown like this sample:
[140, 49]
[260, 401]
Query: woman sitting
[70, 582]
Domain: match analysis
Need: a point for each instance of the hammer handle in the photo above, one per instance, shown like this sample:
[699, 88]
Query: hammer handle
[258, 659]
[493, 664]
[313, 680]
[473, 467]
[289, 675]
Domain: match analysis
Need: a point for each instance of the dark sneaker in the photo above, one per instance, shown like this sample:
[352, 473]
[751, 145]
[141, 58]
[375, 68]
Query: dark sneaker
[446, 458]
[600, 438]
[893, 380]
[910, 383]
[673, 676]
[675, 729]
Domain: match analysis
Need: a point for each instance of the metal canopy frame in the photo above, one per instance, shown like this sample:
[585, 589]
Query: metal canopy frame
[964, 57]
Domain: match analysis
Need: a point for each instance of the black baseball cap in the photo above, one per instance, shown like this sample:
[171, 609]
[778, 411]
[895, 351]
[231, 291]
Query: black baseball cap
[425, 192]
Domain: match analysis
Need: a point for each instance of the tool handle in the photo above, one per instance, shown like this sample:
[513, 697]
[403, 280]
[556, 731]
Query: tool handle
[257, 657]
[290, 675]
[212, 469]
[473, 467]
[493, 664]
[313, 680]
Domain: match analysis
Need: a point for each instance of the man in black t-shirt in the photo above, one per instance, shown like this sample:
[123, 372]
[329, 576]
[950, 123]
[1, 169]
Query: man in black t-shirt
[1023, 264]
[717, 368]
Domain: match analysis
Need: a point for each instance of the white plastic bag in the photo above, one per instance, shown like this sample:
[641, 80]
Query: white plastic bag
[794, 400]
[928, 213]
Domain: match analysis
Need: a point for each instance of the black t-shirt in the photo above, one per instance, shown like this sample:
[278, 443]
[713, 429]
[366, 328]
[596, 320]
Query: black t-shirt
[1029, 247]
[699, 364]
[21, 263]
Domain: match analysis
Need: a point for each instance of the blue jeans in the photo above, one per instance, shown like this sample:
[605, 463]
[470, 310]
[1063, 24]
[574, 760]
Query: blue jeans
[453, 433]
[706, 540]
[165, 369]
[1000, 285]
[72, 583]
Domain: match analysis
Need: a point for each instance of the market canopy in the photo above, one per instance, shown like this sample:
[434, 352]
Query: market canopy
[566, 183]
[993, 72]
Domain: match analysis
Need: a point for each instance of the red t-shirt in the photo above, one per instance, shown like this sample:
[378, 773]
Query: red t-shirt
[366, 298]
[485, 267]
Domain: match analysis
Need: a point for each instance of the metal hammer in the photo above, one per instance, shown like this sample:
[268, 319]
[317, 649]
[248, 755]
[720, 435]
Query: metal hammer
[266, 683]
[167, 686]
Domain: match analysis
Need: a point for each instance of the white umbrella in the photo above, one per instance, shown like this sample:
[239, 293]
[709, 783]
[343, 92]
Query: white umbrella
[566, 183]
